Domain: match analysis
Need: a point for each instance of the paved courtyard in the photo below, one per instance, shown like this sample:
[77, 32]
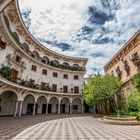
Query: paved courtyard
[64, 127]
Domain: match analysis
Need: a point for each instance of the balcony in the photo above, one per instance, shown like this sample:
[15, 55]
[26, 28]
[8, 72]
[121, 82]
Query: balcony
[6, 73]
[6, 77]
[17, 83]
[136, 60]
[126, 67]
[119, 72]
[35, 55]
[12, 58]
[67, 67]
[52, 63]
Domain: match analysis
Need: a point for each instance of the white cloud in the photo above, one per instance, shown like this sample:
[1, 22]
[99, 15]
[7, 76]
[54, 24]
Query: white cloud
[62, 20]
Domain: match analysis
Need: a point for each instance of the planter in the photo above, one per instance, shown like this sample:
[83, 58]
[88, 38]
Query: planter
[120, 120]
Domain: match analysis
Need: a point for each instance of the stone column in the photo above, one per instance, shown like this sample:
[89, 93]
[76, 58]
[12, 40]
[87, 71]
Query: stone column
[59, 107]
[34, 108]
[46, 108]
[16, 107]
[70, 108]
[82, 107]
[20, 108]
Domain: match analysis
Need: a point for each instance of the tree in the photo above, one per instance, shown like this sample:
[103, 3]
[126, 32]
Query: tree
[101, 91]
[136, 81]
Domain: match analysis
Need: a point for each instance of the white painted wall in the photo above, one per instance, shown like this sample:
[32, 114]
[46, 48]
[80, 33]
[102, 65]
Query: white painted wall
[8, 102]
[77, 102]
[54, 102]
[28, 99]
[41, 100]
[67, 104]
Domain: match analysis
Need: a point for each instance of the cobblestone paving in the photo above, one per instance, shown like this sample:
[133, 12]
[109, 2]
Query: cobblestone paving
[64, 127]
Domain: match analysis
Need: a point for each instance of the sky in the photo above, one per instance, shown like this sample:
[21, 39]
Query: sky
[94, 29]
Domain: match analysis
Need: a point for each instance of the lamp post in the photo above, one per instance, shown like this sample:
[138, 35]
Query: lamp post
[61, 89]
[72, 90]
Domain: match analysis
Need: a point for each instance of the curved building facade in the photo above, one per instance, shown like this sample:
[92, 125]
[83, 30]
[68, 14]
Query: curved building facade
[34, 79]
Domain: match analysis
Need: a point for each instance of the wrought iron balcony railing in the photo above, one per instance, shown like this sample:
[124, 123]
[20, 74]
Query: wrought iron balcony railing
[136, 59]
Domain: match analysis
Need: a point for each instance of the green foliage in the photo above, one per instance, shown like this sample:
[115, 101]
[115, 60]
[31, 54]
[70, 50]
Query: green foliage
[136, 81]
[88, 94]
[101, 89]
[134, 114]
[5, 71]
[138, 115]
[121, 112]
[132, 102]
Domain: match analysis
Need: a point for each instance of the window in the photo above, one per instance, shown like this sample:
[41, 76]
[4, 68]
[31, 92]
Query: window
[32, 82]
[76, 89]
[65, 76]
[15, 74]
[76, 77]
[125, 63]
[55, 74]
[65, 89]
[127, 68]
[18, 58]
[33, 68]
[44, 72]
[136, 57]
[54, 88]
[128, 72]
[43, 85]
[119, 72]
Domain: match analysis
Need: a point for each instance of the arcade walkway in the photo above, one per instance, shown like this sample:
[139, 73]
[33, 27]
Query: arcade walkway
[64, 127]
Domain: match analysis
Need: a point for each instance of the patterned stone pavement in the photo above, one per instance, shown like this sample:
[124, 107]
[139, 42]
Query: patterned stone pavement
[64, 127]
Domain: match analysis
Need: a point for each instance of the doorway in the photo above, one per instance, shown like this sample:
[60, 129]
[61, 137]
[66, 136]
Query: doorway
[49, 108]
[63, 110]
[29, 109]
[43, 108]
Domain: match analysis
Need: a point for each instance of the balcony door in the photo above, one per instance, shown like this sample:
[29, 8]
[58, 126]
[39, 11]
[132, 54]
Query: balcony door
[65, 89]
[15, 74]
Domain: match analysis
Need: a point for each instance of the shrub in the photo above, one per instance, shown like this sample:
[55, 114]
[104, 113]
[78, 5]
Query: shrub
[138, 115]
[133, 114]
[132, 102]
[5, 71]
[136, 81]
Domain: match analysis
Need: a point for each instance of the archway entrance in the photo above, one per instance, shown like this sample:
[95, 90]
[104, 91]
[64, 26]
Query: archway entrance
[8, 100]
[28, 105]
[53, 105]
[65, 105]
[41, 105]
[76, 106]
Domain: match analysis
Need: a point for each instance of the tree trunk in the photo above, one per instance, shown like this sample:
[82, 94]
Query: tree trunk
[107, 107]
[103, 110]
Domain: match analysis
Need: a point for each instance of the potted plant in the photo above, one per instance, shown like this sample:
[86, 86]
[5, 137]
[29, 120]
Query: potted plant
[5, 71]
